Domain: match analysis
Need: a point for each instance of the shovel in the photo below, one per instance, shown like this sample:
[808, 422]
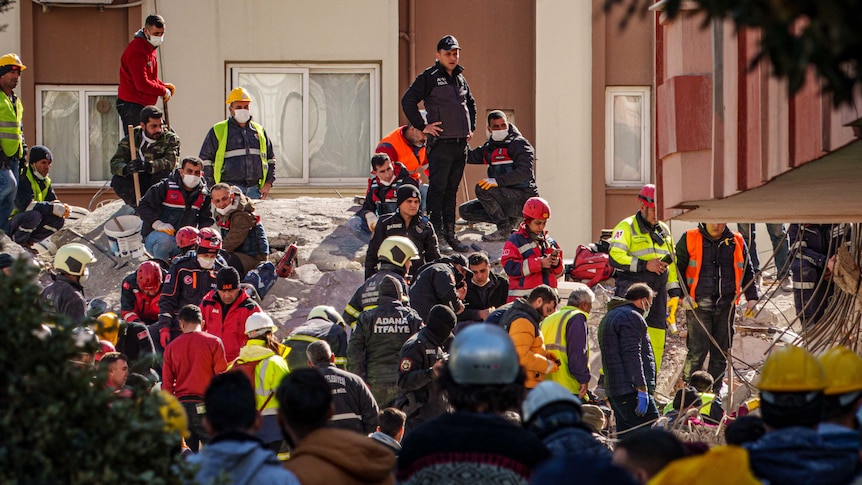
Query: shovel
[117, 264]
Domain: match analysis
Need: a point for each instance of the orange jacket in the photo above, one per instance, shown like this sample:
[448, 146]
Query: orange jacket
[532, 353]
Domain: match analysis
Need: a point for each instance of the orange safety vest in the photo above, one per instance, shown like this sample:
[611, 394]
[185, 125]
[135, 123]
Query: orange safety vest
[694, 245]
[412, 160]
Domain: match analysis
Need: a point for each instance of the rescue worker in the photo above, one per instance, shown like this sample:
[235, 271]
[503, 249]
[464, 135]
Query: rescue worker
[698, 393]
[354, 407]
[323, 323]
[66, 293]
[372, 352]
[627, 358]
[186, 239]
[843, 395]
[131, 339]
[262, 354]
[553, 414]
[396, 256]
[531, 257]
[641, 250]
[716, 269]
[225, 310]
[139, 72]
[190, 278]
[381, 197]
[407, 145]
[406, 221]
[157, 152]
[510, 181]
[180, 200]
[441, 282]
[38, 214]
[140, 292]
[12, 146]
[244, 239]
[486, 290]
[791, 404]
[420, 360]
[237, 151]
[193, 359]
[522, 321]
[567, 338]
[811, 248]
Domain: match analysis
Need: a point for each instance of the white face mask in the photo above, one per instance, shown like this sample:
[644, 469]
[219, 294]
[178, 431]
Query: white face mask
[84, 277]
[242, 115]
[38, 175]
[499, 135]
[222, 211]
[155, 40]
[191, 181]
[206, 263]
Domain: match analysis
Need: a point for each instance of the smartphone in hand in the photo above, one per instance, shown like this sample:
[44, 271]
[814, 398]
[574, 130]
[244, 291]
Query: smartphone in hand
[667, 259]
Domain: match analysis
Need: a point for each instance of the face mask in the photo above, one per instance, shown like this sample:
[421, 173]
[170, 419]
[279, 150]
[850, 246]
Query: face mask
[242, 115]
[499, 135]
[38, 175]
[206, 263]
[222, 211]
[647, 307]
[191, 180]
[84, 277]
[155, 40]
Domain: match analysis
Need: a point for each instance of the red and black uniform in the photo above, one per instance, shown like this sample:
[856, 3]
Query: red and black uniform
[169, 201]
[227, 322]
[400, 150]
[521, 260]
[186, 283]
[381, 199]
[135, 305]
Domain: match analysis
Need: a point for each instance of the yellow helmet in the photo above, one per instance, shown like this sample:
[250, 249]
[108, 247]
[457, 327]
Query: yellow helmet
[174, 415]
[238, 94]
[843, 369]
[791, 369]
[108, 327]
[11, 59]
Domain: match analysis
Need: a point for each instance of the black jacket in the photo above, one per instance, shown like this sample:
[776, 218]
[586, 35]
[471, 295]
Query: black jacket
[191, 207]
[382, 199]
[186, 283]
[627, 356]
[66, 296]
[315, 329]
[420, 231]
[420, 396]
[25, 194]
[354, 407]
[446, 98]
[436, 284]
[365, 297]
[372, 352]
[135, 342]
[493, 294]
[510, 162]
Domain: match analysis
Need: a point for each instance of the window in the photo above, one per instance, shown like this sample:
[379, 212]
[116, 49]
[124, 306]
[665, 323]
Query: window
[627, 136]
[324, 120]
[81, 156]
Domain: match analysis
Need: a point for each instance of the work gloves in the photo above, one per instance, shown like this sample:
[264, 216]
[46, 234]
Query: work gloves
[133, 166]
[672, 305]
[60, 209]
[643, 403]
[487, 183]
[164, 227]
[371, 219]
[165, 336]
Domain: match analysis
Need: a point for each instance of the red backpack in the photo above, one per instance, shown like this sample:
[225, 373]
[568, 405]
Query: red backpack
[591, 267]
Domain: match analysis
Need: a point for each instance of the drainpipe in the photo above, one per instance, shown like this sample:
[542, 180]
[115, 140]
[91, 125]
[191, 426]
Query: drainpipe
[411, 33]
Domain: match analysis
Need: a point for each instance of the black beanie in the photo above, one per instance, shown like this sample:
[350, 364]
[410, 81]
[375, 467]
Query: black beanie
[407, 191]
[227, 279]
[441, 320]
[389, 287]
[6, 260]
[38, 152]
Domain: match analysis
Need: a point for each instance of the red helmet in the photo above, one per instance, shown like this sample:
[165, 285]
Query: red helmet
[187, 237]
[149, 276]
[104, 348]
[537, 208]
[647, 195]
[209, 241]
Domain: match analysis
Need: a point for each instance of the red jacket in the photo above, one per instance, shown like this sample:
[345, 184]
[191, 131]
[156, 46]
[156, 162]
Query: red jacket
[520, 259]
[191, 361]
[139, 73]
[229, 328]
[135, 305]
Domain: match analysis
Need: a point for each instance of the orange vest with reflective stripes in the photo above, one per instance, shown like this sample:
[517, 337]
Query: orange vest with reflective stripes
[694, 245]
[412, 160]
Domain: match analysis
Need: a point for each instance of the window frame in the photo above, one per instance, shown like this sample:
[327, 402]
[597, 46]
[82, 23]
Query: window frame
[234, 69]
[84, 91]
[611, 92]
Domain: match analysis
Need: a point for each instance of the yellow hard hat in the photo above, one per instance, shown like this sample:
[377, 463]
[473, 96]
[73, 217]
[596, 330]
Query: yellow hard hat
[701, 469]
[843, 369]
[238, 94]
[791, 369]
[11, 59]
[174, 415]
[108, 327]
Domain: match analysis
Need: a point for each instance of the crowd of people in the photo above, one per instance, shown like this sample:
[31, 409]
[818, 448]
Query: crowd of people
[438, 369]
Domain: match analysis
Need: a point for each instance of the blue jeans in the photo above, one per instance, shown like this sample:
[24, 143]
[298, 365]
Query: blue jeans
[8, 190]
[161, 245]
[778, 237]
[359, 226]
[624, 411]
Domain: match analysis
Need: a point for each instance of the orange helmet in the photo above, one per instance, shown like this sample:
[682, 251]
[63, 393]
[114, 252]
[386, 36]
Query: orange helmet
[187, 237]
[209, 241]
[149, 276]
[536, 208]
[647, 195]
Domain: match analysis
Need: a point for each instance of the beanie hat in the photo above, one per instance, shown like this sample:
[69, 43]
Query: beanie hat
[441, 320]
[407, 191]
[389, 287]
[39, 152]
[227, 279]
[6, 260]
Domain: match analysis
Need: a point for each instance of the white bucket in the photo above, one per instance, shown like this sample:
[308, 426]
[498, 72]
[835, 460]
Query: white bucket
[124, 236]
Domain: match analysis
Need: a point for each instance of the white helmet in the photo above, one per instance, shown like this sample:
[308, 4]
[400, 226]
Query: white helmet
[545, 393]
[397, 250]
[259, 321]
[327, 313]
[73, 258]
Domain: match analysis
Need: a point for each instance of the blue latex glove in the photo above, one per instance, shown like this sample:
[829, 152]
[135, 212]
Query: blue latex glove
[643, 403]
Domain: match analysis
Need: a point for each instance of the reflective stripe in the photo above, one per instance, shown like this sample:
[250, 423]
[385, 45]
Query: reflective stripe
[341, 361]
[619, 245]
[526, 247]
[525, 268]
[269, 412]
[207, 163]
[352, 311]
[646, 252]
[504, 162]
[241, 152]
[518, 293]
[798, 244]
[10, 136]
[9, 124]
[175, 206]
[304, 338]
[343, 416]
[803, 285]
[634, 266]
[673, 285]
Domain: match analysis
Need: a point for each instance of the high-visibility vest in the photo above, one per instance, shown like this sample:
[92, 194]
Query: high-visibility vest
[706, 401]
[11, 134]
[694, 246]
[220, 130]
[412, 160]
[554, 332]
[39, 193]
[629, 245]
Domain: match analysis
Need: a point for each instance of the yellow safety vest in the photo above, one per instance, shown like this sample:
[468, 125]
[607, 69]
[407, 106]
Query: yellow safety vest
[11, 134]
[268, 373]
[39, 194]
[220, 130]
[629, 245]
[553, 331]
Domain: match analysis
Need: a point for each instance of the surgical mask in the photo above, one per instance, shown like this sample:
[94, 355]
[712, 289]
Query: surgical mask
[191, 180]
[205, 262]
[38, 175]
[647, 306]
[499, 135]
[84, 277]
[155, 40]
[242, 115]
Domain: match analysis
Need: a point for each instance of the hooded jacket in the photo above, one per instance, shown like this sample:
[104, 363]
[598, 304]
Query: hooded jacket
[66, 296]
[510, 162]
[243, 458]
[798, 455]
[627, 356]
[436, 283]
[331, 456]
[522, 321]
[365, 297]
[242, 231]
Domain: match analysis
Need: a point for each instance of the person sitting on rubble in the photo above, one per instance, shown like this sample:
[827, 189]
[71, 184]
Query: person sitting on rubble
[37, 213]
[699, 394]
[381, 198]
[245, 243]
